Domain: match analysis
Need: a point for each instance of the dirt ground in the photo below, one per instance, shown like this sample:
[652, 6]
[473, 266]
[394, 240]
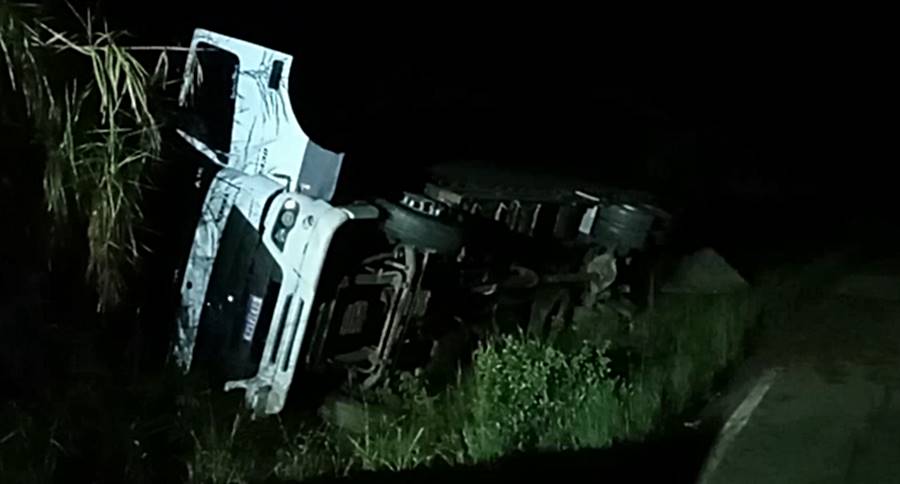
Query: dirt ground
[832, 412]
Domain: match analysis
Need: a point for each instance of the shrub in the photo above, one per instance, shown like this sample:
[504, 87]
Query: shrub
[530, 394]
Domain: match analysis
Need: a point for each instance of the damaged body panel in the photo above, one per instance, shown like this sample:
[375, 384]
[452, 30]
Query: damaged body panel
[254, 129]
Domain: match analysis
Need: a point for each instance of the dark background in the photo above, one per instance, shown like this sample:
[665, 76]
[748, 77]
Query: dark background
[761, 100]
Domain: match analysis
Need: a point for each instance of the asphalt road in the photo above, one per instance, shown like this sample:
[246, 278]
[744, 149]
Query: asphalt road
[832, 411]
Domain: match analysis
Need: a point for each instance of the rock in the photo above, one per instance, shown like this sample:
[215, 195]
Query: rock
[704, 272]
[354, 416]
[344, 413]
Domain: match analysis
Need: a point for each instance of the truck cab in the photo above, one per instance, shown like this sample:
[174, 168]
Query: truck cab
[265, 226]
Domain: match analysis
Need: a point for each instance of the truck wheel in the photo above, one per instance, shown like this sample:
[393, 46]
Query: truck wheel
[419, 230]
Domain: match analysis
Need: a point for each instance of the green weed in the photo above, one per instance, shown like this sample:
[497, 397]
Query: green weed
[528, 394]
[525, 394]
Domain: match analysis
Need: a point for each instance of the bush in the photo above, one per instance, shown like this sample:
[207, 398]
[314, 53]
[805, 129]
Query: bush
[529, 394]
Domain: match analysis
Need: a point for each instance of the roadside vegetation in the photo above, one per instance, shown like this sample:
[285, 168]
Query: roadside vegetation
[604, 382]
[86, 96]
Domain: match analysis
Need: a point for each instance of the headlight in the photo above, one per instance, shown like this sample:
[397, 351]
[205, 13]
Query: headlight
[286, 220]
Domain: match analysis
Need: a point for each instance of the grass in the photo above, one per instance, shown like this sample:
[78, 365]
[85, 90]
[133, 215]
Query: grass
[219, 456]
[528, 394]
[87, 97]
[29, 451]
[589, 389]
[309, 453]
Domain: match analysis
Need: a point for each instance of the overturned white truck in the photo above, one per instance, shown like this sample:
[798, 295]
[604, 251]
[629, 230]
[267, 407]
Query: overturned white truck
[281, 283]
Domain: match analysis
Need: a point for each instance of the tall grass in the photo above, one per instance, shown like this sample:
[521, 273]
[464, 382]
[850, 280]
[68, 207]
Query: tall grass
[87, 97]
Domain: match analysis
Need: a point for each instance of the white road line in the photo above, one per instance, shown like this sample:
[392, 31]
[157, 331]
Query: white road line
[736, 423]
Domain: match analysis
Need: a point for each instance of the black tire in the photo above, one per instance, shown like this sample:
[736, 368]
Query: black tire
[419, 230]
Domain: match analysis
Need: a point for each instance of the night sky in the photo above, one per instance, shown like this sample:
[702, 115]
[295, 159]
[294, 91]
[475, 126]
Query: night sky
[744, 103]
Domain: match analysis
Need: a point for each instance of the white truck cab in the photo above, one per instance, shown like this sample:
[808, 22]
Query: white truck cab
[266, 223]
